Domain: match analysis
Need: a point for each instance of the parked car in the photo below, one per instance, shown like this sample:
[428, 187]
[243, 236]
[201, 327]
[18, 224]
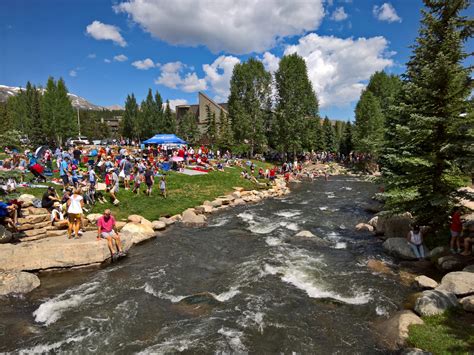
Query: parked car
[96, 142]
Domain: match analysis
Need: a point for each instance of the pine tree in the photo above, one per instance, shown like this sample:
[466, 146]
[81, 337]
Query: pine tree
[48, 110]
[36, 132]
[226, 137]
[169, 119]
[369, 123]
[129, 117]
[319, 141]
[188, 129]
[211, 126]
[347, 144]
[17, 111]
[432, 134]
[296, 102]
[329, 136]
[250, 91]
[65, 118]
[385, 88]
[159, 115]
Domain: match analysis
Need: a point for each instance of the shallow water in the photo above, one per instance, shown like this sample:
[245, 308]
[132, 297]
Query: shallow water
[242, 284]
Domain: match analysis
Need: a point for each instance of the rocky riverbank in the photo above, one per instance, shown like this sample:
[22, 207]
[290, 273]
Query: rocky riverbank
[52, 251]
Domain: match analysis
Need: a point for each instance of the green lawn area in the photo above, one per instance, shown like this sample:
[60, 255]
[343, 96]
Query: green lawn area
[184, 191]
[449, 333]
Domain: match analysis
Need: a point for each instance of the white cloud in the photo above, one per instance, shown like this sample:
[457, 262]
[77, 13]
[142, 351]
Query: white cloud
[218, 75]
[339, 14]
[176, 102]
[144, 64]
[107, 60]
[73, 73]
[171, 77]
[270, 62]
[386, 12]
[339, 67]
[101, 31]
[91, 56]
[120, 58]
[237, 27]
[191, 83]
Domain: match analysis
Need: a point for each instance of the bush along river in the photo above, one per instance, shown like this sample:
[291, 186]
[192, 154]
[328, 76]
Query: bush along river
[244, 283]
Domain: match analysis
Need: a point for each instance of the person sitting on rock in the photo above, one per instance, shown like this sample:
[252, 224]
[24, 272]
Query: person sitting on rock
[468, 234]
[415, 239]
[56, 213]
[49, 198]
[106, 229]
[9, 215]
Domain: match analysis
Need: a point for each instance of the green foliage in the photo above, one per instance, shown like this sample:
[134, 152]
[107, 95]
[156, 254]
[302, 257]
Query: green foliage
[249, 103]
[296, 103]
[10, 139]
[169, 119]
[447, 333]
[347, 145]
[226, 137]
[329, 136]
[130, 117]
[431, 135]
[188, 129]
[369, 123]
[211, 126]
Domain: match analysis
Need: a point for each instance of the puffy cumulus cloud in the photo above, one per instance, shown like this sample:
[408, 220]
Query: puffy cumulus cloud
[218, 75]
[144, 64]
[120, 58]
[270, 62]
[386, 12]
[171, 77]
[226, 25]
[101, 31]
[339, 14]
[339, 67]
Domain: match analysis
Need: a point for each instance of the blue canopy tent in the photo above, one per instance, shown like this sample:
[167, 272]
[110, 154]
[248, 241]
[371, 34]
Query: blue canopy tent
[164, 139]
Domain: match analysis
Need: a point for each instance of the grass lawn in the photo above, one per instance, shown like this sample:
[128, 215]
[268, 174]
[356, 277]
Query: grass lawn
[184, 191]
[449, 333]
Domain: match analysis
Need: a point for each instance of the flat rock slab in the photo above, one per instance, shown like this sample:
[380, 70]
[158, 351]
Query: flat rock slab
[60, 252]
[425, 282]
[17, 282]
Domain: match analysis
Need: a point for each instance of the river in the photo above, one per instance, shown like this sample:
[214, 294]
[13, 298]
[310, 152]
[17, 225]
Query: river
[244, 283]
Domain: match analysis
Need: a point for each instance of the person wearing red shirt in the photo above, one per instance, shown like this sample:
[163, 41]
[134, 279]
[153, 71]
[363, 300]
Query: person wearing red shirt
[456, 228]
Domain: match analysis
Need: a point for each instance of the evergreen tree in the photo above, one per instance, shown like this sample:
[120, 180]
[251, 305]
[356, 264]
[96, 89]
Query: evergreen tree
[188, 129]
[226, 137]
[329, 136]
[347, 144]
[211, 126]
[36, 132]
[250, 91]
[169, 119]
[129, 117]
[319, 141]
[159, 124]
[385, 88]
[432, 131]
[65, 118]
[17, 111]
[369, 123]
[148, 116]
[296, 103]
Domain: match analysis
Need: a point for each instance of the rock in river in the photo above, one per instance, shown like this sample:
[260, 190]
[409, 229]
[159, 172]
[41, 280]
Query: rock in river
[460, 283]
[17, 282]
[400, 248]
[394, 331]
[434, 302]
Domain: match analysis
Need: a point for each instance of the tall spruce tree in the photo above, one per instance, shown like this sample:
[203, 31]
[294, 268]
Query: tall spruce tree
[226, 137]
[159, 118]
[66, 122]
[347, 145]
[169, 119]
[250, 91]
[129, 117]
[432, 131]
[329, 136]
[385, 88]
[188, 129]
[369, 124]
[36, 132]
[48, 110]
[296, 103]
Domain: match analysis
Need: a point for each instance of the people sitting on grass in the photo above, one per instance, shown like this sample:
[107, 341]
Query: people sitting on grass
[106, 229]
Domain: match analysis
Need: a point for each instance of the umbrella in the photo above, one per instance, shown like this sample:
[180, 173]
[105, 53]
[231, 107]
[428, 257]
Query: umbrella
[40, 151]
[177, 159]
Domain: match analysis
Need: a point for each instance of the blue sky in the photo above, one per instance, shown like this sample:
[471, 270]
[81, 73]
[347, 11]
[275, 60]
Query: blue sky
[100, 46]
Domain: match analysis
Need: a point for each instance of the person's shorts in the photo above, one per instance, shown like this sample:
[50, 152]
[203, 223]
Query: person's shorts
[105, 235]
[65, 179]
[454, 234]
[149, 185]
[74, 217]
[127, 177]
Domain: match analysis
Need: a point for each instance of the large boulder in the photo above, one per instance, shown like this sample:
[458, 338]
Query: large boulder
[467, 303]
[5, 235]
[425, 282]
[460, 283]
[434, 302]
[438, 251]
[147, 223]
[469, 268]
[450, 263]
[393, 332]
[139, 232]
[17, 282]
[400, 248]
[191, 219]
[134, 218]
[392, 226]
[120, 224]
[27, 200]
[51, 253]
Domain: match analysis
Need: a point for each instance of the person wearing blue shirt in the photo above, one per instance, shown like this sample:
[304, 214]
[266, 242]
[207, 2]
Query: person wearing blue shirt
[63, 169]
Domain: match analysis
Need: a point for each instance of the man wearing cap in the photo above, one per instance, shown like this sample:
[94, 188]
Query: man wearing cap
[49, 198]
[107, 230]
